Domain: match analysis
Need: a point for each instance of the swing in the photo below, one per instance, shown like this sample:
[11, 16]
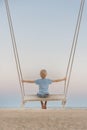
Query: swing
[52, 97]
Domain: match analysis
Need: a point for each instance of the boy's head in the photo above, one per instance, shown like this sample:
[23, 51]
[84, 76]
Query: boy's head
[43, 73]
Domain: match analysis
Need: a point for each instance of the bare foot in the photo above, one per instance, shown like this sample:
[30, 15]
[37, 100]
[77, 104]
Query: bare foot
[44, 106]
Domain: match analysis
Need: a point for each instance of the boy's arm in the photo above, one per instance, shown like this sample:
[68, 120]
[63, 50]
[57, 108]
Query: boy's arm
[59, 80]
[28, 81]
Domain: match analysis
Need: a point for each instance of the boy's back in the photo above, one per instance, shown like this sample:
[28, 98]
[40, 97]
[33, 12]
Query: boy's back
[43, 85]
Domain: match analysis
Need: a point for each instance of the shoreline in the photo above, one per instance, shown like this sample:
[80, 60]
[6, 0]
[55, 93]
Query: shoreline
[38, 108]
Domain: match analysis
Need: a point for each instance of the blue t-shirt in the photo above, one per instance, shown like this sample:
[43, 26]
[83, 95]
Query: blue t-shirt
[43, 85]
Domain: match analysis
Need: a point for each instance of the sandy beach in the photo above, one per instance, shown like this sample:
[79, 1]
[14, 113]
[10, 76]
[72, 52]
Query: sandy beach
[36, 119]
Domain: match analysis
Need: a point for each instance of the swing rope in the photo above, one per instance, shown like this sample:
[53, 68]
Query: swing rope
[15, 49]
[72, 52]
[73, 48]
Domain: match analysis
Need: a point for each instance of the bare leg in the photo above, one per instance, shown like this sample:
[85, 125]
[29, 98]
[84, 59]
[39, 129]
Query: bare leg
[46, 104]
[43, 105]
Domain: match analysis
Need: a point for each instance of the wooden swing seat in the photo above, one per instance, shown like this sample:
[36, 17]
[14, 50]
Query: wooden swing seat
[51, 97]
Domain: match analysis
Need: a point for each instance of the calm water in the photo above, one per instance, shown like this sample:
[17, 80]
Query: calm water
[14, 102]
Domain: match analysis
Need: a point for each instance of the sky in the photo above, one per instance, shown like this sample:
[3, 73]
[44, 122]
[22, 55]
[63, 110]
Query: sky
[44, 32]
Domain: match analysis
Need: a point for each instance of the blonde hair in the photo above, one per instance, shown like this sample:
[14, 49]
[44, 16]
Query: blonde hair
[43, 73]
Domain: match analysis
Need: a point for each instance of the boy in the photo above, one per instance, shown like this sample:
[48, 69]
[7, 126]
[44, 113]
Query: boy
[43, 86]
